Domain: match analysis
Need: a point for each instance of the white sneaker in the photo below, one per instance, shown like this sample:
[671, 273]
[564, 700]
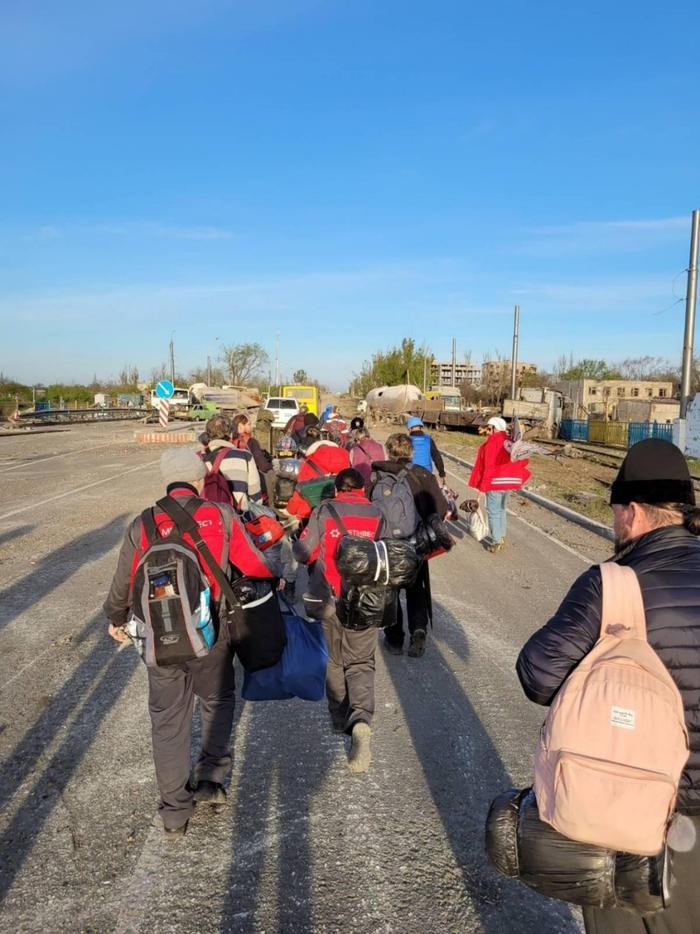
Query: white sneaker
[360, 754]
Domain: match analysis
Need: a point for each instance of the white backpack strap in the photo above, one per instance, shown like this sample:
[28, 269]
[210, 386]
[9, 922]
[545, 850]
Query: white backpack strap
[623, 607]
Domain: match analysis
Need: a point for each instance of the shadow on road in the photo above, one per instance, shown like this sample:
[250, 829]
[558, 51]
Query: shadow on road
[464, 771]
[55, 567]
[287, 755]
[96, 684]
[12, 534]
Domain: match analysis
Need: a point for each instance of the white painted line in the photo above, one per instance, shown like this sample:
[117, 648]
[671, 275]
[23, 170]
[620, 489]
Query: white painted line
[41, 460]
[547, 535]
[88, 486]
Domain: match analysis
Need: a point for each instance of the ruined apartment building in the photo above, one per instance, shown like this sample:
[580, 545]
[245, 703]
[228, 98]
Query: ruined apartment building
[601, 396]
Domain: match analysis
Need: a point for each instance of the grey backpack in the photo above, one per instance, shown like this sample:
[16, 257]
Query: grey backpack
[393, 494]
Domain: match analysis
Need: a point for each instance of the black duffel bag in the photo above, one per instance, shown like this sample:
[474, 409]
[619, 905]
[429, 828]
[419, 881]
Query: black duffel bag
[391, 562]
[255, 624]
[521, 846]
[367, 607]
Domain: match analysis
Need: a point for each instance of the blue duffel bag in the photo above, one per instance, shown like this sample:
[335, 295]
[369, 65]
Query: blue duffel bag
[301, 672]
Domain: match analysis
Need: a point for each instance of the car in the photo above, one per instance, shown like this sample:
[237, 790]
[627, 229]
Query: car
[282, 410]
[202, 411]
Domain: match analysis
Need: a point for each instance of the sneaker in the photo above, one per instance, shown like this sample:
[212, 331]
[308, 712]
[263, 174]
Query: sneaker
[208, 792]
[337, 725]
[360, 755]
[391, 648]
[492, 547]
[175, 833]
[417, 647]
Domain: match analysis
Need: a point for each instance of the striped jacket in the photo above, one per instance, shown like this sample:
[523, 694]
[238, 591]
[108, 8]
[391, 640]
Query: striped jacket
[238, 466]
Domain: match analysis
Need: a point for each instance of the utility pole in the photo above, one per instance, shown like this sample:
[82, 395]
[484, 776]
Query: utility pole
[425, 370]
[172, 359]
[691, 297]
[277, 362]
[514, 357]
[454, 362]
[208, 370]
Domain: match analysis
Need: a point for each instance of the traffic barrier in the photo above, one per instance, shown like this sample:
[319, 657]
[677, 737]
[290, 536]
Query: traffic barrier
[165, 437]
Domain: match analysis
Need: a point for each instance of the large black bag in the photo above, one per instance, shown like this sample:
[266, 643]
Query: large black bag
[391, 562]
[249, 609]
[521, 846]
[432, 537]
[368, 607]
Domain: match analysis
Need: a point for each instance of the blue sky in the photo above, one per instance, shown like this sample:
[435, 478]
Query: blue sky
[344, 174]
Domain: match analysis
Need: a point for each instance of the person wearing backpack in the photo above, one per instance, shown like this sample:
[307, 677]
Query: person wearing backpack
[407, 494]
[364, 450]
[656, 526]
[321, 459]
[350, 673]
[232, 477]
[174, 684]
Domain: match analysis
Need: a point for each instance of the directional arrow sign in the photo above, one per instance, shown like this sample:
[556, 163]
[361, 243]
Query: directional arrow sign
[165, 389]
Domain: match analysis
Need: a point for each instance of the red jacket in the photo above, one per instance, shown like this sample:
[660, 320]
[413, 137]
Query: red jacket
[320, 539]
[330, 459]
[221, 529]
[494, 470]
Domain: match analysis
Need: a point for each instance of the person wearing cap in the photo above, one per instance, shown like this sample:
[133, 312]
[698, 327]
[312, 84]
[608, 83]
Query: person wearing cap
[495, 474]
[172, 690]
[656, 525]
[425, 451]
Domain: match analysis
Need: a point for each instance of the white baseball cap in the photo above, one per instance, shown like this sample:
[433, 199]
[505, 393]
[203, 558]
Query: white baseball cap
[498, 424]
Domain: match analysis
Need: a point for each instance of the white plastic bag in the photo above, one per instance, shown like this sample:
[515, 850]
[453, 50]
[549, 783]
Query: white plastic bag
[477, 524]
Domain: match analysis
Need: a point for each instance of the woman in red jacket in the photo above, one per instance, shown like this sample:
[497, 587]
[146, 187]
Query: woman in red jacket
[328, 459]
[495, 474]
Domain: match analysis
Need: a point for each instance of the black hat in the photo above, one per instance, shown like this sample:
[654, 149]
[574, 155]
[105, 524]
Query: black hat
[310, 419]
[654, 471]
[357, 423]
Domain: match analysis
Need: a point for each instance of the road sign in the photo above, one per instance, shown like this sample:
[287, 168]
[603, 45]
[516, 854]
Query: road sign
[163, 412]
[165, 389]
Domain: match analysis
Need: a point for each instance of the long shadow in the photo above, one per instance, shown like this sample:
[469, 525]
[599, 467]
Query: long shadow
[286, 759]
[99, 683]
[450, 739]
[20, 762]
[57, 566]
[10, 536]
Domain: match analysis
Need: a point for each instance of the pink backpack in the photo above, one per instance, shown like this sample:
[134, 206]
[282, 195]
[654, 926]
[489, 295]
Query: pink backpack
[614, 743]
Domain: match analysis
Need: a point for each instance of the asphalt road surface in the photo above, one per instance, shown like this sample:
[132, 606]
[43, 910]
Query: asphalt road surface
[303, 844]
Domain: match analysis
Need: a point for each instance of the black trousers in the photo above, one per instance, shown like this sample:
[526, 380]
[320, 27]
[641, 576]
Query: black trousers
[171, 695]
[416, 610]
[682, 915]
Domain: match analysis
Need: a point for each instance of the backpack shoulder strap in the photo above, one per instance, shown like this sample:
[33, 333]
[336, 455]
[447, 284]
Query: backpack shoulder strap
[336, 518]
[622, 602]
[185, 522]
[315, 467]
[149, 526]
[214, 463]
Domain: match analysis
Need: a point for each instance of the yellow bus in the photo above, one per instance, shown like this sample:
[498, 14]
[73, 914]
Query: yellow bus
[305, 395]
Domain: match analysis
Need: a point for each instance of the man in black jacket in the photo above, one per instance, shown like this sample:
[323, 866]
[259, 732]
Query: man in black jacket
[429, 501]
[656, 533]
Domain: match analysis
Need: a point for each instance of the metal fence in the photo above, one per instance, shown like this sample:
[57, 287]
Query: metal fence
[623, 434]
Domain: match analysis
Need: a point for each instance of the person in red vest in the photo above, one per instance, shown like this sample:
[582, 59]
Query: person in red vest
[350, 673]
[172, 690]
[328, 457]
[495, 474]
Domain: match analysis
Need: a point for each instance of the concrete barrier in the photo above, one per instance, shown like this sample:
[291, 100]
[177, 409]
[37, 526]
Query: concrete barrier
[165, 437]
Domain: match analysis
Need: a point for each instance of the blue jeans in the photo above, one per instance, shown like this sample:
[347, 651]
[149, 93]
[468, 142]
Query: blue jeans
[496, 511]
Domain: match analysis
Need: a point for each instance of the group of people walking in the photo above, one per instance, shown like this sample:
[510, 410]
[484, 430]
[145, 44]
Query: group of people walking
[378, 493]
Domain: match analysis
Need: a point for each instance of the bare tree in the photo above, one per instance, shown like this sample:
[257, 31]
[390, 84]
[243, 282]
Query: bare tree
[243, 362]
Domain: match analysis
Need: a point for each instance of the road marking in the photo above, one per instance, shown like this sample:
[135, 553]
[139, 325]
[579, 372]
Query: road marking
[41, 460]
[547, 535]
[79, 489]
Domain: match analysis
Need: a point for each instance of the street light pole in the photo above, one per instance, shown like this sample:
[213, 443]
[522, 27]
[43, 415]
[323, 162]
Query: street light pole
[514, 358]
[172, 359]
[691, 296]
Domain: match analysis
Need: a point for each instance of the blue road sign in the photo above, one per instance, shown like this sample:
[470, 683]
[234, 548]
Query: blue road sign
[165, 389]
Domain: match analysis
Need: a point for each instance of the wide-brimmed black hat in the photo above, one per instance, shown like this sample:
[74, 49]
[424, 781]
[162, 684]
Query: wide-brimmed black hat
[654, 471]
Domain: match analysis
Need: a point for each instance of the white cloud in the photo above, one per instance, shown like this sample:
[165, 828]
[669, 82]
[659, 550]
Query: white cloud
[627, 235]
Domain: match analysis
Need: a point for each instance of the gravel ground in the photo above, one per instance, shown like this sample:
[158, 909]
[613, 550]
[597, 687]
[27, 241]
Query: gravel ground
[303, 844]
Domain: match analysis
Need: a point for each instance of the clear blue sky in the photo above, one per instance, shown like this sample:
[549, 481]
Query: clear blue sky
[345, 174]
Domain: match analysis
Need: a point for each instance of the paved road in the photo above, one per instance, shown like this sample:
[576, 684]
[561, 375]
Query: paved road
[303, 845]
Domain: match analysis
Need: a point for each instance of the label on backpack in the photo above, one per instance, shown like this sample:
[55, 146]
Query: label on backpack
[625, 719]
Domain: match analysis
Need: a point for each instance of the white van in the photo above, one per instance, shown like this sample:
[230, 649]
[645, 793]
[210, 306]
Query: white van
[282, 410]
